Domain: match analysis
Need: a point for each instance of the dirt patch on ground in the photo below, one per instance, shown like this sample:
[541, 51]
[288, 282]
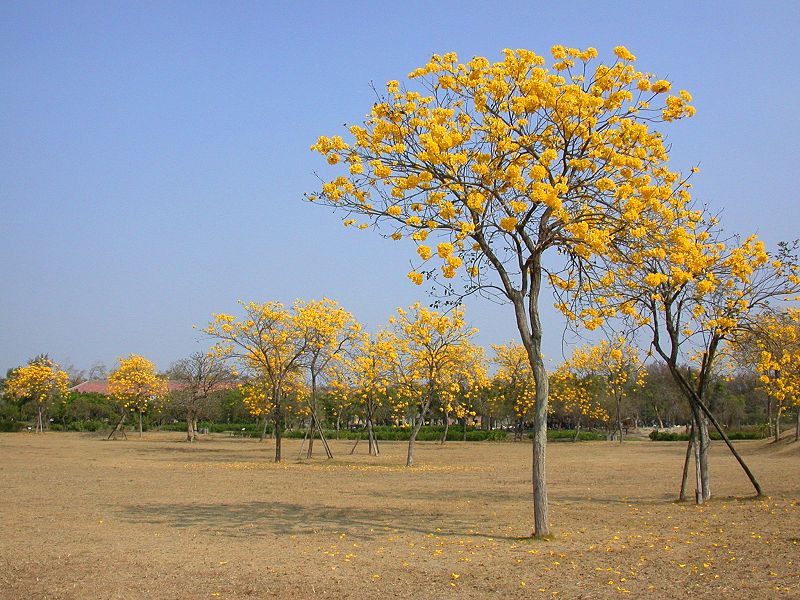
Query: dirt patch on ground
[158, 518]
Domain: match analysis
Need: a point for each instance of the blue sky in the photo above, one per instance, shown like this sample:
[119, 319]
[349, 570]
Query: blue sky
[155, 155]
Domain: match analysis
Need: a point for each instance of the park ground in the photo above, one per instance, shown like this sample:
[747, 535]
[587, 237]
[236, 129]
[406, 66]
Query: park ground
[159, 518]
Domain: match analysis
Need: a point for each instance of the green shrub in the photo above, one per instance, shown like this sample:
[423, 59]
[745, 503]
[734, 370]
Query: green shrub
[750, 434]
[556, 435]
[667, 436]
[11, 426]
[746, 434]
[86, 425]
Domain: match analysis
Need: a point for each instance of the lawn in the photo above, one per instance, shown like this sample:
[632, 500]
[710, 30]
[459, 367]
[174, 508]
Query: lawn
[158, 518]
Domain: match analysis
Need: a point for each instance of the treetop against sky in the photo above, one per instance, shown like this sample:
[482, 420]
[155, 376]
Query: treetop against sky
[158, 155]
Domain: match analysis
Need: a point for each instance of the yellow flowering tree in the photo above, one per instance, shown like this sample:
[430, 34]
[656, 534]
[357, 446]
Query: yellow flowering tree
[362, 377]
[575, 396]
[514, 383]
[775, 342]
[40, 382]
[432, 353]
[615, 365]
[339, 397]
[269, 345]
[692, 292]
[136, 386]
[500, 162]
[256, 392]
[328, 329]
[468, 382]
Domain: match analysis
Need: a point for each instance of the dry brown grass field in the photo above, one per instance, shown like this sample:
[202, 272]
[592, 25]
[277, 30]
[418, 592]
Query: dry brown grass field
[158, 518]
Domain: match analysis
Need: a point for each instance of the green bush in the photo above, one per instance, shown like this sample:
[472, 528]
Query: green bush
[86, 425]
[751, 434]
[11, 426]
[556, 435]
[747, 434]
[666, 436]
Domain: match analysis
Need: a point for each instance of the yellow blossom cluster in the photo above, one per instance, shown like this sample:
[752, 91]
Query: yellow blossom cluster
[512, 150]
[778, 340]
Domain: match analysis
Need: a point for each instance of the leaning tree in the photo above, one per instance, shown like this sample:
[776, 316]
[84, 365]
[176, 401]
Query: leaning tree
[691, 291]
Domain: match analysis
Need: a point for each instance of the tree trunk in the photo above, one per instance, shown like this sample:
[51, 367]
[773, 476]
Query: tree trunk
[446, 427]
[541, 525]
[530, 328]
[311, 432]
[619, 417]
[190, 429]
[577, 429]
[373, 441]
[303, 443]
[698, 492]
[322, 439]
[797, 425]
[313, 412]
[414, 431]
[39, 421]
[264, 429]
[658, 418]
[118, 425]
[140, 423]
[700, 427]
[278, 433]
[769, 415]
[464, 422]
[686, 461]
[358, 439]
[778, 410]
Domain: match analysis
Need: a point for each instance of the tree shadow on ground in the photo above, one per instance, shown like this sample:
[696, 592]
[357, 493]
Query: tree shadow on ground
[660, 500]
[248, 519]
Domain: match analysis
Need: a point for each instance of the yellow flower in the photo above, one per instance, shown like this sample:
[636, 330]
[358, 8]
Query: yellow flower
[444, 249]
[623, 53]
[661, 86]
[655, 279]
[415, 277]
[508, 223]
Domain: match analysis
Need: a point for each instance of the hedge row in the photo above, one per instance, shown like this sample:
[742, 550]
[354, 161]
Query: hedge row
[426, 434]
[665, 436]
[566, 434]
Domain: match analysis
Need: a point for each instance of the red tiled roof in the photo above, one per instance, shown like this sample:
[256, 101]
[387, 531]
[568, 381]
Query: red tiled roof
[100, 386]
